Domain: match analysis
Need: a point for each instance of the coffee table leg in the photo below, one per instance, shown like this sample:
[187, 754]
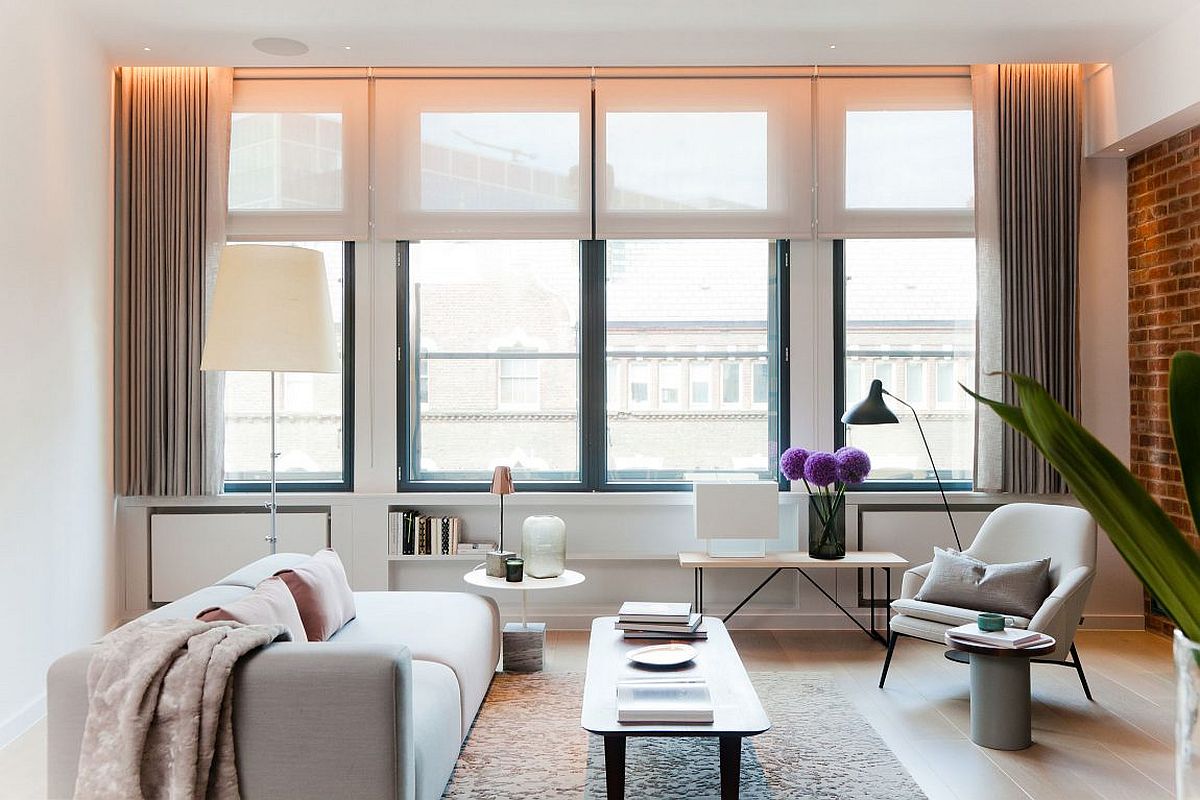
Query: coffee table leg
[731, 766]
[614, 766]
[1000, 702]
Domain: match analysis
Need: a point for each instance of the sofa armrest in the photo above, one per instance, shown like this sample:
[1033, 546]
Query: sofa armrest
[310, 720]
[1060, 613]
[913, 580]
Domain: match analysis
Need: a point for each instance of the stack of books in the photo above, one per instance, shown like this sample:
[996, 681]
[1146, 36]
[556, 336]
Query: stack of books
[678, 700]
[410, 534]
[660, 621]
[1015, 638]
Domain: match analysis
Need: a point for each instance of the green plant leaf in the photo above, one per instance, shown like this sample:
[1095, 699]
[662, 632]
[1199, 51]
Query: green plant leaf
[1152, 546]
[1014, 416]
[1185, 424]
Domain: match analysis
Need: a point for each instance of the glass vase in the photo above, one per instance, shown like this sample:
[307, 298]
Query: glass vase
[1187, 704]
[826, 539]
[544, 546]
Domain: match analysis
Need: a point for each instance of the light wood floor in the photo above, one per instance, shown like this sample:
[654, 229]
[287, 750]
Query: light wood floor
[1118, 747]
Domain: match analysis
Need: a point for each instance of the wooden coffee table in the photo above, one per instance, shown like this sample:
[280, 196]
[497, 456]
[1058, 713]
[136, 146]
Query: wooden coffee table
[737, 711]
[1001, 708]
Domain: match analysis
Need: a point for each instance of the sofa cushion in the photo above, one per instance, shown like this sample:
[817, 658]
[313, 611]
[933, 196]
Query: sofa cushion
[188, 606]
[256, 572]
[457, 629]
[322, 594]
[269, 603]
[946, 615]
[956, 579]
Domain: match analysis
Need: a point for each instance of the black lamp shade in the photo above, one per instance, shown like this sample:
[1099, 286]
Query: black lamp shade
[872, 410]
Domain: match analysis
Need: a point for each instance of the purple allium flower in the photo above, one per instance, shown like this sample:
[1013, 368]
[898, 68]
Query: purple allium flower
[821, 469]
[853, 465]
[791, 463]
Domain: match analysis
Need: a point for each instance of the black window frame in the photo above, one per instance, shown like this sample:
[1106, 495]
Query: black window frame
[839, 390]
[593, 380]
[346, 484]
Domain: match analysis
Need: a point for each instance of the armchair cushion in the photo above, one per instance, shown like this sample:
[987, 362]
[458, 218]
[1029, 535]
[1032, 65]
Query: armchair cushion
[946, 615]
[958, 580]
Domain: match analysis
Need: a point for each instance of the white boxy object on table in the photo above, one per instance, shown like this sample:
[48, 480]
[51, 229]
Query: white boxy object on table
[736, 517]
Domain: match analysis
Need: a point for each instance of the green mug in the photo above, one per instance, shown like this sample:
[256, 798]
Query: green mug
[988, 621]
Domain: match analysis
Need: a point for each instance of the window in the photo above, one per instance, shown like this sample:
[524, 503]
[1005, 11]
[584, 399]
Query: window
[914, 383]
[513, 378]
[905, 303]
[520, 383]
[313, 426]
[668, 385]
[900, 159]
[495, 325]
[701, 377]
[713, 303]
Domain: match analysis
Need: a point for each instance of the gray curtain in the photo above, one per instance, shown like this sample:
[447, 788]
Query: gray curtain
[168, 219]
[1038, 151]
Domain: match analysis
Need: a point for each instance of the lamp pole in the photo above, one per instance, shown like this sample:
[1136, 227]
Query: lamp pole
[272, 538]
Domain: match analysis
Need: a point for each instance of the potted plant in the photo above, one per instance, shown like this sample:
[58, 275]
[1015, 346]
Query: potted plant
[1142, 532]
[830, 474]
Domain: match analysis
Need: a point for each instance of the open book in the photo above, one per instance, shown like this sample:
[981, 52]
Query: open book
[680, 700]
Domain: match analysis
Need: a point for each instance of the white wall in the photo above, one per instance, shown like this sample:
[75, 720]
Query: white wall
[57, 547]
[1148, 93]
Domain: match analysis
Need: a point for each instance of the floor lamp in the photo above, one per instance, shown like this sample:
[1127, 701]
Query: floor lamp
[874, 411]
[271, 313]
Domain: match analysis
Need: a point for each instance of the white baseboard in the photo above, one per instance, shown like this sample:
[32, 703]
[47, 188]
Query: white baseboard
[23, 720]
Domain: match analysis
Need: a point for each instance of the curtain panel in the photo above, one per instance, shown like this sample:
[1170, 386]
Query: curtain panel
[1032, 257]
[172, 147]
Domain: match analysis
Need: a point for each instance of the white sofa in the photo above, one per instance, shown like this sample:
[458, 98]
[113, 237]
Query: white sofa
[378, 711]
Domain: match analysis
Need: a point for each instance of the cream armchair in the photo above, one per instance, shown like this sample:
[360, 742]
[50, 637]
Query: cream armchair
[1016, 532]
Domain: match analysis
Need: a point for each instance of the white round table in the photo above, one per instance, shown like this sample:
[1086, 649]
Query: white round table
[523, 644]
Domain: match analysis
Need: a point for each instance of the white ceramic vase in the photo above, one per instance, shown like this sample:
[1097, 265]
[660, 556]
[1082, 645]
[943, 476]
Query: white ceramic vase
[544, 546]
[1187, 725]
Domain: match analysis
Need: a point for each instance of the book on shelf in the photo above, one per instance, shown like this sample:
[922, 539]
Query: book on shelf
[632, 611]
[679, 700]
[661, 627]
[701, 632]
[1009, 637]
[411, 534]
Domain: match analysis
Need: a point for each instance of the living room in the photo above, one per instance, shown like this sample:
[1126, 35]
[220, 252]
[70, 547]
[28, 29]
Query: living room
[452, 381]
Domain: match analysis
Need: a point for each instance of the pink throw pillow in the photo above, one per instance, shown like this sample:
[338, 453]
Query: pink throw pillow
[322, 594]
[271, 602]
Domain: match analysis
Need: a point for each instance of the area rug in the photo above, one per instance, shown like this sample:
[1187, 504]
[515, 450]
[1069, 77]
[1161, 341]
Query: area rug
[527, 743]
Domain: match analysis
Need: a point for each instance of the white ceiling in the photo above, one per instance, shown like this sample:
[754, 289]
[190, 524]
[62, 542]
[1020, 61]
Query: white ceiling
[625, 32]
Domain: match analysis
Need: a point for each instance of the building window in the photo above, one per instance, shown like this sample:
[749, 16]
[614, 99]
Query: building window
[701, 379]
[313, 429]
[687, 326]
[520, 383]
[907, 302]
[668, 385]
[731, 384]
[505, 319]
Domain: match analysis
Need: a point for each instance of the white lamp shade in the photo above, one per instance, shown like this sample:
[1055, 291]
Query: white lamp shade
[271, 312]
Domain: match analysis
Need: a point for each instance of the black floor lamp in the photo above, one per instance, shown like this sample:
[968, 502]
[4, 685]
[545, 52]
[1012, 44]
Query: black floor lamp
[874, 411]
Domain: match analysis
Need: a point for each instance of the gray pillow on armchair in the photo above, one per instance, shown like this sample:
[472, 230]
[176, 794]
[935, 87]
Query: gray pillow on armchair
[957, 579]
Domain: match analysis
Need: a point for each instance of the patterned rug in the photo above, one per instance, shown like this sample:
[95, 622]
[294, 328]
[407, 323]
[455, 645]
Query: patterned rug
[527, 743]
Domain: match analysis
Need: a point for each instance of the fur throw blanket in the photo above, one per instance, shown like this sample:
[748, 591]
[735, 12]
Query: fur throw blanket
[160, 715]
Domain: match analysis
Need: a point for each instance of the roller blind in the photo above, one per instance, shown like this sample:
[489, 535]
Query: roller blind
[895, 157]
[703, 157]
[298, 160]
[483, 158]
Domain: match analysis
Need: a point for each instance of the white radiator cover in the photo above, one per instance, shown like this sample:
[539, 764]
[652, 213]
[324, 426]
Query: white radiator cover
[191, 551]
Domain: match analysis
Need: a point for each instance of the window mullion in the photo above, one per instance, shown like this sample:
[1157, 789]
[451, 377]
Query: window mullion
[593, 377]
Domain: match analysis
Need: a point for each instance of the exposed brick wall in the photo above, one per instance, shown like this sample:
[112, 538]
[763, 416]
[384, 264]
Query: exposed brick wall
[1164, 311]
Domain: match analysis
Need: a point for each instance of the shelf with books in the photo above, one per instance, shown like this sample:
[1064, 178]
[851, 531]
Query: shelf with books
[454, 557]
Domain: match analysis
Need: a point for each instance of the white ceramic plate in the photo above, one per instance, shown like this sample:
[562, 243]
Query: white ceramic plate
[663, 655]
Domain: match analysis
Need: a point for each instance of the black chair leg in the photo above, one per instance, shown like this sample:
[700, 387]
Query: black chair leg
[887, 660]
[1079, 669]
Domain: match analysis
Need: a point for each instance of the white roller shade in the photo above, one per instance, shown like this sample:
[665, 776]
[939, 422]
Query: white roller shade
[896, 157]
[703, 157]
[298, 160]
[483, 158]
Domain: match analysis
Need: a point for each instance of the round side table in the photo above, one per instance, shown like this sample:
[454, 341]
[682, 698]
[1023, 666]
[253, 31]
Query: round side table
[524, 644]
[1001, 713]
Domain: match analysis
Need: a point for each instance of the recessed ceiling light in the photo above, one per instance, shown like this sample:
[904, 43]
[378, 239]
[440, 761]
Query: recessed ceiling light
[147, 49]
[345, 47]
[1120, 149]
[280, 46]
[833, 47]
